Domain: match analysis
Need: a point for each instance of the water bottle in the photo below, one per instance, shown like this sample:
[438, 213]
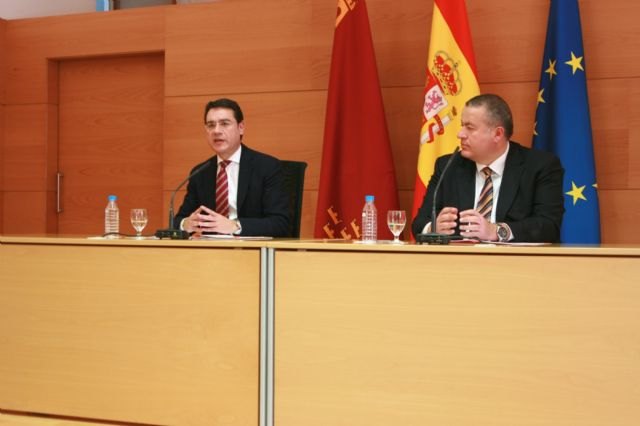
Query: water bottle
[112, 218]
[369, 220]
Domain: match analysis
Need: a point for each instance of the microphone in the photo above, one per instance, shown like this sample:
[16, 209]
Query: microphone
[434, 237]
[171, 232]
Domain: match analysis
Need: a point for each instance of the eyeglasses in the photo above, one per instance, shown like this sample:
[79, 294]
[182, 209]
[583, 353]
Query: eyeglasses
[211, 125]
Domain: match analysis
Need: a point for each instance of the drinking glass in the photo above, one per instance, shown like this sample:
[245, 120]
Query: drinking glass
[396, 220]
[139, 221]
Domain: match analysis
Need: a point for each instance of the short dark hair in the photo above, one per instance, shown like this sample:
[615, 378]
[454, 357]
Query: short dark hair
[498, 110]
[225, 103]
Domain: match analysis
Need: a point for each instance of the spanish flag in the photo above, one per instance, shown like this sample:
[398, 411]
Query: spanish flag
[356, 155]
[452, 79]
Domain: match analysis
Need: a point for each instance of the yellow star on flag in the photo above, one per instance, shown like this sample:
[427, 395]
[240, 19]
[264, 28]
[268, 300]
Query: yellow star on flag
[535, 128]
[552, 69]
[575, 62]
[540, 98]
[576, 192]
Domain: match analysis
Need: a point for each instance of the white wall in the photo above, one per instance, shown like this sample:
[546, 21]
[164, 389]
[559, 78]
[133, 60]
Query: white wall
[15, 9]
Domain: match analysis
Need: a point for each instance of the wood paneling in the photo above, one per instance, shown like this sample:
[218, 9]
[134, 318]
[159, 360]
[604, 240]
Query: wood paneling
[400, 32]
[309, 205]
[14, 419]
[619, 211]
[1, 164]
[30, 134]
[110, 140]
[611, 37]
[615, 117]
[29, 166]
[509, 36]
[253, 47]
[3, 61]
[136, 333]
[274, 58]
[31, 41]
[377, 339]
[25, 212]
[508, 39]
[25, 147]
[3, 79]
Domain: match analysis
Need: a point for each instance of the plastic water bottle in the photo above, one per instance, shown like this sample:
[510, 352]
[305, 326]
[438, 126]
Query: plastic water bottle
[369, 220]
[112, 218]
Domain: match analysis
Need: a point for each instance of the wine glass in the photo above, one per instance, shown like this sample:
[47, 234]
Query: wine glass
[139, 221]
[396, 220]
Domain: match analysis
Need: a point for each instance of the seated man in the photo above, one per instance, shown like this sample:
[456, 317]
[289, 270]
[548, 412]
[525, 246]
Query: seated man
[240, 191]
[495, 189]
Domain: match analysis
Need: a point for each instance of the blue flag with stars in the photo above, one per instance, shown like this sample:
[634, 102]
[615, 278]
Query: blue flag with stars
[563, 123]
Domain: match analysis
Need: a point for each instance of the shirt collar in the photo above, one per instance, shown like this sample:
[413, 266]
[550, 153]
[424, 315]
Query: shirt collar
[235, 157]
[498, 164]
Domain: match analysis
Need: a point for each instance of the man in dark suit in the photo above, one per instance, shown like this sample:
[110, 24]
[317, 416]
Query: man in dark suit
[240, 191]
[495, 189]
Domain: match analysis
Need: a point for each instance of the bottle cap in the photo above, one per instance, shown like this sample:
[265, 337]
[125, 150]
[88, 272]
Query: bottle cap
[369, 198]
[112, 198]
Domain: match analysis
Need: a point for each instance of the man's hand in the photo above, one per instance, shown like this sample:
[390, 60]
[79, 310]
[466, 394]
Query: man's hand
[474, 225]
[446, 222]
[203, 219]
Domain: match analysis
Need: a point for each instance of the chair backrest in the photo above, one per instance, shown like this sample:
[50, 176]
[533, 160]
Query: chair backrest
[293, 172]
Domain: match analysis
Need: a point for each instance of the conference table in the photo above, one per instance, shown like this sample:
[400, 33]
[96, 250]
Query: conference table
[288, 332]
[149, 332]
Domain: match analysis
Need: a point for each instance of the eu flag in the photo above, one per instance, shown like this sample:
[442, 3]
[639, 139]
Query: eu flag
[563, 124]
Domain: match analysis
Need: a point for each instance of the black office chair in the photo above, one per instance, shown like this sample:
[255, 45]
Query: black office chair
[293, 172]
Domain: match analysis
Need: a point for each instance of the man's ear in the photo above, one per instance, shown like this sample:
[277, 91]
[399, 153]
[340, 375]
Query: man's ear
[499, 133]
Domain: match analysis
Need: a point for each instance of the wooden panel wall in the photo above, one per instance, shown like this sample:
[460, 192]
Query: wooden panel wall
[3, 25]
[110, 125]
[274, 58]
[31, 133]
[532, 344]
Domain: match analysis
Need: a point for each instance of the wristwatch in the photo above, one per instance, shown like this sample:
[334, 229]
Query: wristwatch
[503, 232]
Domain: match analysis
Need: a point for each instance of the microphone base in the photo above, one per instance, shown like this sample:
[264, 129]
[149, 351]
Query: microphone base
[432, 238]
[172, 234]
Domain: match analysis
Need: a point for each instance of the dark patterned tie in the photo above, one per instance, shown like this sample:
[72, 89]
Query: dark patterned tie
[222, 189]
[485, 201]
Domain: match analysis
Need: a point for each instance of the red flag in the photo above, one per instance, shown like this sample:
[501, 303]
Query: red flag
[451, 81]
[356, 157]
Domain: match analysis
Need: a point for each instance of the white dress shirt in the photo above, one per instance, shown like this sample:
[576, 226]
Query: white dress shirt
[233, 172]
[497, 170]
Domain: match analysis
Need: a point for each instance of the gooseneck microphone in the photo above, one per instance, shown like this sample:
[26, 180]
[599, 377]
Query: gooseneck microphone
[171, 232]
[434, 237]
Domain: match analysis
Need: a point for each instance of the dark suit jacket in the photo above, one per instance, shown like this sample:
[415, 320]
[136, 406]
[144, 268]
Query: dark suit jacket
[263, 204]
[530, 200]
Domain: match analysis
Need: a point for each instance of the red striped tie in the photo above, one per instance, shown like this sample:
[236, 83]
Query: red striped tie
[222, 189]
[485, 201]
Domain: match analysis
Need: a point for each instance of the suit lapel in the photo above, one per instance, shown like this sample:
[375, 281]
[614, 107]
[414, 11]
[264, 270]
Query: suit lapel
[510, 180]
[244, 176]
[209, 179]
[466, 184]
